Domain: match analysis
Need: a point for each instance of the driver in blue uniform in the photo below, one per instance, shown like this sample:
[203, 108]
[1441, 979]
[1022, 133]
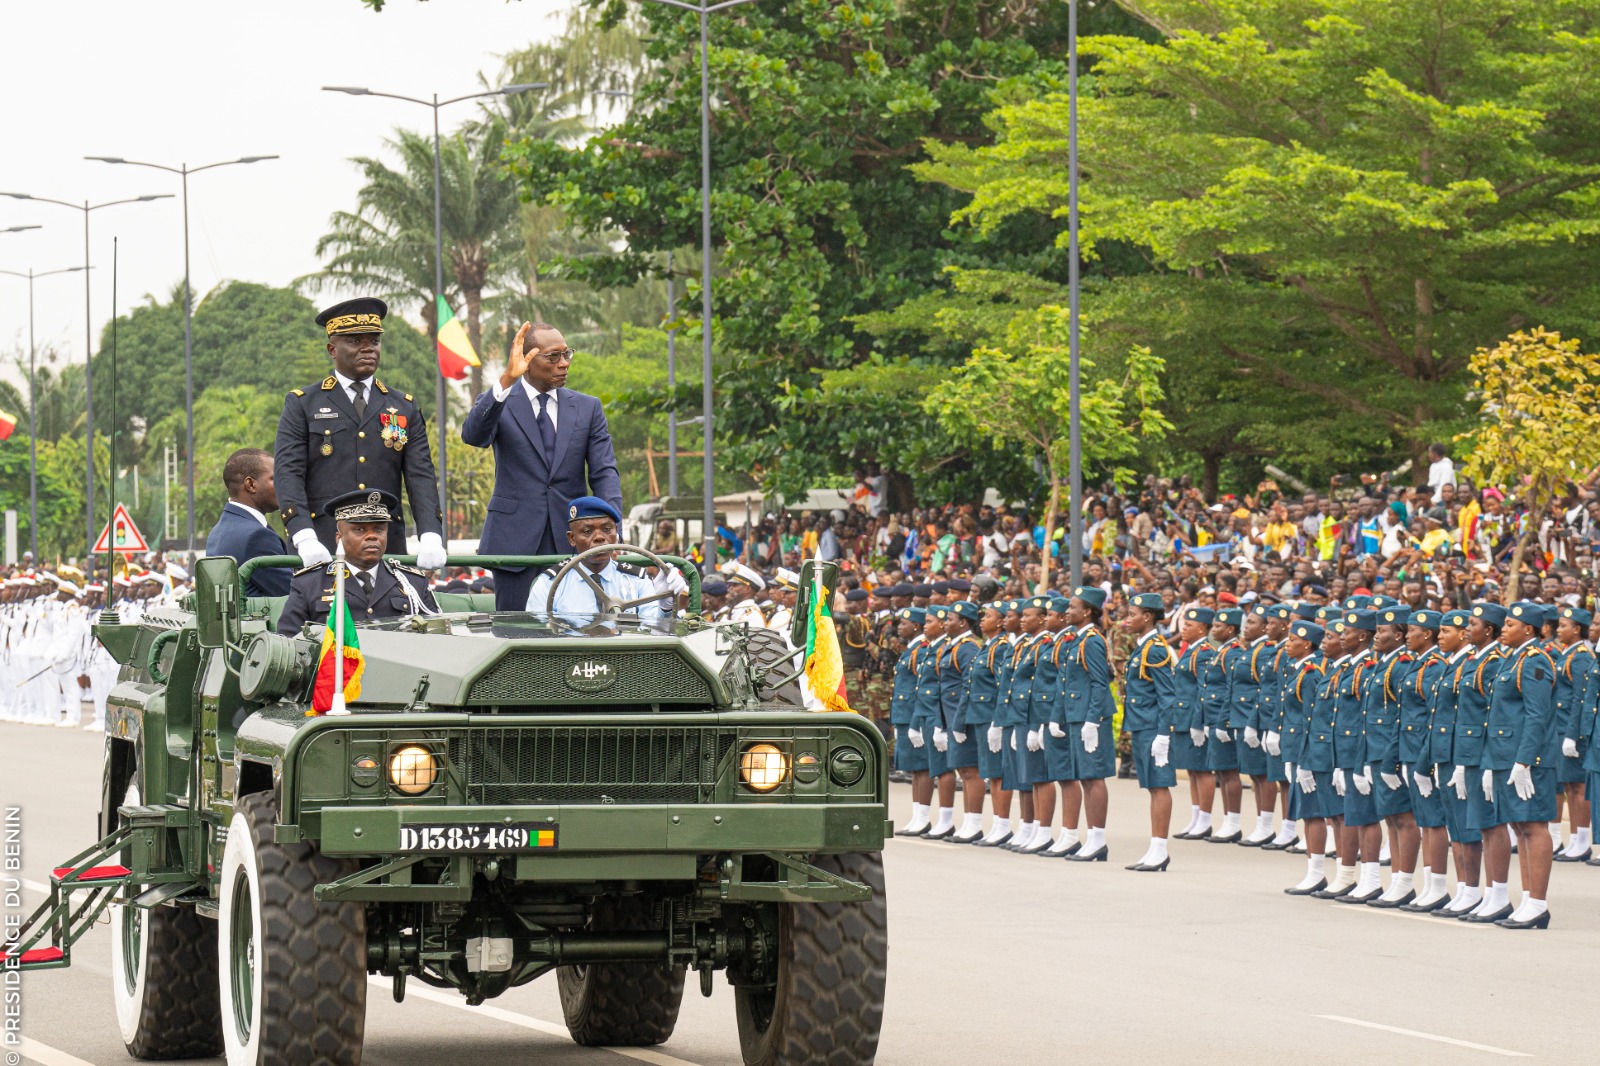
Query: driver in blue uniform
[591, 522]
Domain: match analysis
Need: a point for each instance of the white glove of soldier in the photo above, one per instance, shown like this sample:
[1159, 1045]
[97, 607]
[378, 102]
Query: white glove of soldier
[1273, 743]
[1458, 781]
[1160, 748]
[995, 736]
[1252, 739]
[1288, 770]
[1522, 780]
[1569, 747]
[1488, 785]
[1198, 736]
[1405, 773]
[310, 549]
[915, 736]
[1224, 736]
[1036, 739]
[1363, 781]
[430, 552]
[1056, 730]
[1091, 737]
[1424, 785]
[1307, 779]
[1013, 740]
[961, 738]
[941, 739]
[1338, 781]
[1393, 782]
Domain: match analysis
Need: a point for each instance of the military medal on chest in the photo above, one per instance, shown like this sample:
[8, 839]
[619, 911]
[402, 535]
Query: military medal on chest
[327, 442]
[394, 428]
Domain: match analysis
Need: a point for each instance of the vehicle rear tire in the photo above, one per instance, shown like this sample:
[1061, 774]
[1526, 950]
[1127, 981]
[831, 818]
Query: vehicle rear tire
[620, 1004]
[293, 970]
[164, 977]
[826, 1008]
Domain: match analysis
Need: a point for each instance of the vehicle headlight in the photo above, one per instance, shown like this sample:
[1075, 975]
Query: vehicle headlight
[763, 767]
[413, 769]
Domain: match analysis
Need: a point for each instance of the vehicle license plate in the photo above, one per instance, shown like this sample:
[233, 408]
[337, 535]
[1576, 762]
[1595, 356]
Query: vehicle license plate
[522, 836]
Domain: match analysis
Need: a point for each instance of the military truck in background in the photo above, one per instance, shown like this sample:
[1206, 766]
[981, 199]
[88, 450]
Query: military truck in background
[616, 801]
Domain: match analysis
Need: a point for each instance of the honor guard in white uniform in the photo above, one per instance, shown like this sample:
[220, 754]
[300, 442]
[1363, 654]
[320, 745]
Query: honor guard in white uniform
[743, 584]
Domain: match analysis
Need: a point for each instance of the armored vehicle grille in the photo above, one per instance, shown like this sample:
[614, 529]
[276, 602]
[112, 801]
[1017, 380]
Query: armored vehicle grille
[589, 764]
[534, 676]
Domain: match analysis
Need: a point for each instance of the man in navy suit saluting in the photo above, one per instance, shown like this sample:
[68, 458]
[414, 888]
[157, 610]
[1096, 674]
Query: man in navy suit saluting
[551, 445]
[242, 529]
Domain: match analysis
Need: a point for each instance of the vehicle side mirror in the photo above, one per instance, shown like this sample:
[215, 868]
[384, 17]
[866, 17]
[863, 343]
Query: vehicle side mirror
[216, 594]
[810, 572]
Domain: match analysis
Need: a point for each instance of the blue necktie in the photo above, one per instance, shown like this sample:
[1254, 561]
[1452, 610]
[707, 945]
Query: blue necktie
[547, 429]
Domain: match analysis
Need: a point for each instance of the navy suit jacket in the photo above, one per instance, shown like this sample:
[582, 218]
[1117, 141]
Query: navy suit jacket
[238, 534]
[532, 489]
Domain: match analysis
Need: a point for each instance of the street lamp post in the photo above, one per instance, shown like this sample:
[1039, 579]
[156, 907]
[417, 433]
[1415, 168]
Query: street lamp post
[1074, 427]
[184, 170]
[438, 246]
[33, 413]
[88, 351]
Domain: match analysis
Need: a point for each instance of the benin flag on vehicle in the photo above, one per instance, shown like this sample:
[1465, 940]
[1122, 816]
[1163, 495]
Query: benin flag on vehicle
[456, 356]
[8, 425]
[824, 664]
[322, 690]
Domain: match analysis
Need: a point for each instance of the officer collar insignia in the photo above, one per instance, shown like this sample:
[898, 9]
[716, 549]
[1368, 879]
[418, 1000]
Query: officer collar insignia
[328, 383]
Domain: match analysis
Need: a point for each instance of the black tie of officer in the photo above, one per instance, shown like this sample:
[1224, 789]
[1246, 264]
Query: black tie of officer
[360, 388]
[547, 428]
[364, 579]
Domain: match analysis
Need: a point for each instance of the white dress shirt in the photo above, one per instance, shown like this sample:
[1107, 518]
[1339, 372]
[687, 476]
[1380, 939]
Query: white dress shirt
[533, 397]
[576, 603]
[252, 512]
[348, 384]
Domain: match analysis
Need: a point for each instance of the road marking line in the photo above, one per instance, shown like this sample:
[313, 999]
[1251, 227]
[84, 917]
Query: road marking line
[655, 1058]
[1427, 1036]
[35, 886]
[49, 1056]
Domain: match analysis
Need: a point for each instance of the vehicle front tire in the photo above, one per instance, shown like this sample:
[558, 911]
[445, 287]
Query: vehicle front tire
[620, 1004]
[164, 978]
[292, 970]
[826, 1008]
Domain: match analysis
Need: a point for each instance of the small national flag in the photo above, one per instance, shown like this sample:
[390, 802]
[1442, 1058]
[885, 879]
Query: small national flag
[322, 690]
[456, 356]
[8, 425]
[824, 664]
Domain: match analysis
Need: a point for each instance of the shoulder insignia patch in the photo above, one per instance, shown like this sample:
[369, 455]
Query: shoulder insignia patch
[309, 569]
[407, 567]
[408, 397]
[328, 383]
[299, 392]
[380, 386]
[1538, 673]
[629, 568]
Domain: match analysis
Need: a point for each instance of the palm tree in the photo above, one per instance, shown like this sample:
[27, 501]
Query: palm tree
[386, 244]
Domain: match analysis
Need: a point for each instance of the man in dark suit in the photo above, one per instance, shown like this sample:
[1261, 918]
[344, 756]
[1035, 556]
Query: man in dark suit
[551, 446]
[242, 529]
[351, 431]
[374, 587]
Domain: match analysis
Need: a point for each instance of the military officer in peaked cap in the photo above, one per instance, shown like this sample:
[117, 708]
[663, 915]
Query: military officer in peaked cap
[351, 431]
[374, 587]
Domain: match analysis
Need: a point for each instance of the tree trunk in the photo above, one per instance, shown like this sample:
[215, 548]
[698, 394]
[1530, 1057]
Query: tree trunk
[1508, 595]
[1211, 474]
[474, 301]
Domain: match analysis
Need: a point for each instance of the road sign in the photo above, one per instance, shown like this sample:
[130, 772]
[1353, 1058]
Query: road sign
[120, 534]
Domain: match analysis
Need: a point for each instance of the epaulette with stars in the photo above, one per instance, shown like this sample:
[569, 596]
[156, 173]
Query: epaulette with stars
[407, 567]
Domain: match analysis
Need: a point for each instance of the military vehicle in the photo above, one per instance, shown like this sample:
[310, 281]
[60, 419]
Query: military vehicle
[615, 800]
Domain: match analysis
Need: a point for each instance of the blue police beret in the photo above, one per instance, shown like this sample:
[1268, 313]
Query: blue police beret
[1059, 604]
[1380, 602]
[1529, 612]
[918, 615]
[966, 609]
[904, 614]
[1358, 603]
[941, 587]
[1454, 619]
[1492, 613]
[1362, 619]
[591, 507]
[997, 606]
[1230, 616]
[1203, 615]
[857, 595]
[1394, 615]
[1280, 611]
[1308, 631]
[900, 590]
[880, 593]
[922, 591]
[1306, 612]
[1425, 619]
[1148, 601]
[1551, 612]
[1327, 614]
[714, 588]
[1089, 594]
[960, 584]
[1578, 615]
[1316, 590]
[1041, 603]
[939, 612]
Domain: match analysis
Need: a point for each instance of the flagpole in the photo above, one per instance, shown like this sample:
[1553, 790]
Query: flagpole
[338, 706]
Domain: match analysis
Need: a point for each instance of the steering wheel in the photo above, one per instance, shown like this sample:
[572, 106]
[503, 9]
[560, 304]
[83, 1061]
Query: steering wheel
[608, 605]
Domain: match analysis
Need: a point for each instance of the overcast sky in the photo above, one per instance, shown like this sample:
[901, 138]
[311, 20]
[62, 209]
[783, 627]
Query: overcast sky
[197, 81]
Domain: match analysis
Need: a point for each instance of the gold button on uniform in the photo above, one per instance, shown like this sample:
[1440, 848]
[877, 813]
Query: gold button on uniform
[360, 486]
[362, 434]
[361, 458]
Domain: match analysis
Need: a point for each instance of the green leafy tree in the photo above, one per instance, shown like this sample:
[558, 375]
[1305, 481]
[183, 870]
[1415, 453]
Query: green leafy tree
[226, 418]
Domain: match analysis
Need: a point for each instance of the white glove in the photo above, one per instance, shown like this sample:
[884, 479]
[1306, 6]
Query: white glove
[1522, 780]
[1363, 781]
[1160, 747]
[915, 736]
[1091, 737]
[1036, 740]
[1488, 785]
[668, 579]
[1405, 773]
[1273, 743]
[1458, 781]
[1056, 730]
[1288, 770]
[1424, 785]
[310, 549]
[1013, 740]
[1224, 736]
[941, 739]
[1198, 736]
[1338, 781]
[430, 552]
[995, 736]
[1307, 779]
[1251, 737]
[961, 738]
[1569, 747]
[1393, 782]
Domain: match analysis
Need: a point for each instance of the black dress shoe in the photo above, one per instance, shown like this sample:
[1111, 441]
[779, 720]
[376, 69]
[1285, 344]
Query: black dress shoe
[1392, 904]
[1335, 893]
[957, 838]
[1097, 855]
[1365, 897]
[1231, 838]
[1248, 843]
[1312, 891]
[998, 842]
[1489, 919]
[1383, 862]
[909, 832]
[1273, 845]
[1594, 861]
[1077, 846]
[1427, 908]
[1205, 835]
[1146, 868]
[1297, 848]
[1562, 856]
[943, 834]
[899, 777]
[1541, 922]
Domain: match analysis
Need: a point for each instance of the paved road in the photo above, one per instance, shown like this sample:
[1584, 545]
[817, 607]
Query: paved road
[994, 955]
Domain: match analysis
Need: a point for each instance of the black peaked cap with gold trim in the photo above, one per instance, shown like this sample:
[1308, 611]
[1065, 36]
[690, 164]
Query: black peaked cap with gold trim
[364, 314]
